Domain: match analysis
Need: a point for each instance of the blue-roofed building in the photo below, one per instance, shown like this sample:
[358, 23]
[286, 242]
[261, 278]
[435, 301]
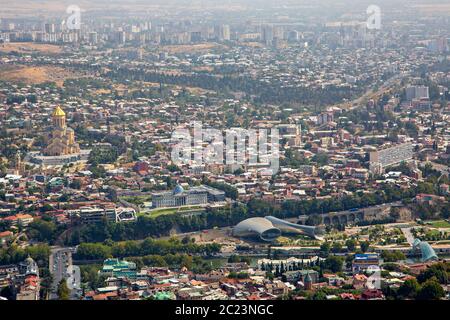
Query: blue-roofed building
[178, 190]
[363, 261]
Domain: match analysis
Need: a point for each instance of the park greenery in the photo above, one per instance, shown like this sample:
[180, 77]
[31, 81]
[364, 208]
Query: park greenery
[392, 256]
[103, 155]
[14, 254]
[109, 249]
[62, 290]
[427, 285]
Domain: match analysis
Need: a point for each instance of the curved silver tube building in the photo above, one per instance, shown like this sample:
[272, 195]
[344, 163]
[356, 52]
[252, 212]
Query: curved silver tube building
[257, 227]
[269, 228]
[289, 227]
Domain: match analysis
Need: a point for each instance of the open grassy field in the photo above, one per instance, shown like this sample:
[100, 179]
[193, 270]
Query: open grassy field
[192, 48]
[162, 212]
[193, 90]
[252, 44]
[37, 74]
[440, 224]
[29, 47]
[165, 211]
[433, 8]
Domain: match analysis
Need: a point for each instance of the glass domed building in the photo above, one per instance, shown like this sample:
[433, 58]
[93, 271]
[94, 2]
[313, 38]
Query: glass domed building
[426, 250]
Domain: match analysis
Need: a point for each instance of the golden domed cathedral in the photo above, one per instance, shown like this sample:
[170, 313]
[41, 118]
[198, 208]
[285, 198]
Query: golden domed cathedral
[62, 138]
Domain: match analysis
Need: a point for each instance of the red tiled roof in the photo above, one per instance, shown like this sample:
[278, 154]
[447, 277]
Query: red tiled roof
[23, 216]
[5, 234]
[10, 218]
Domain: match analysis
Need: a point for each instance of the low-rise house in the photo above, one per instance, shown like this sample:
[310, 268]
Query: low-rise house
[5, 236]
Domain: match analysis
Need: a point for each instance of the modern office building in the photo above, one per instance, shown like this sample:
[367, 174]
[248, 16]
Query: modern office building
[291, 132]
[325, 117]
[383, 158]
[267, 34]
[89, 215]
[93, 37]
[363, 261]
[417, 92]
[222, 32]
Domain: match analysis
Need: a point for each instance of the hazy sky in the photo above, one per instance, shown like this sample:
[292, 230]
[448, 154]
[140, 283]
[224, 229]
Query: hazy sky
[18, 8]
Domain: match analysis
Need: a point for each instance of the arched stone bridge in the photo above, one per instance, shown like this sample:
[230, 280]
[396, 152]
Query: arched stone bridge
[355, 215]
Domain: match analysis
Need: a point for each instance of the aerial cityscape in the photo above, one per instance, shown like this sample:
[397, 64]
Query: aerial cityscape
[224, 150]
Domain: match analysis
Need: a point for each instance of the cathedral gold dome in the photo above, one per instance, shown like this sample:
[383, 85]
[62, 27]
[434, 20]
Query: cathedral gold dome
[58, 112]
[62, 138]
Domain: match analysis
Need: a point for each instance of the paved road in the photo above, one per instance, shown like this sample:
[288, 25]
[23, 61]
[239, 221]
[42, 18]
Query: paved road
[61, 267]
[443, 169]
[408, 235]
[370, 94]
